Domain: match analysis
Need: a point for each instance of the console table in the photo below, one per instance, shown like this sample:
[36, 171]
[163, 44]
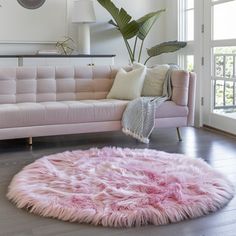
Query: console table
[55, 60]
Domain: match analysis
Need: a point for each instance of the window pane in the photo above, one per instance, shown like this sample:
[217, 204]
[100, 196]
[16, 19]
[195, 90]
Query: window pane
[190, 62]
[190, 25]
[229, 93]
[225, 58]
[234, 93]
[219, 66]
[234, 74]
[225, 50]
[219, 93]
[189, 4]
[224, 20]
[229, 67]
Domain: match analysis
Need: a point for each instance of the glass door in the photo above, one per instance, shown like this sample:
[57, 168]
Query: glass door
[219, 76]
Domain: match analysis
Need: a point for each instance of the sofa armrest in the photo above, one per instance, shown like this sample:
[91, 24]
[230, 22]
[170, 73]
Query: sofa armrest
[183, 91]
[180, 87]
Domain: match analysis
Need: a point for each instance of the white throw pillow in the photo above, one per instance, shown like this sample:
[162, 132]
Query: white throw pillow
[154, 80]
[128, 85]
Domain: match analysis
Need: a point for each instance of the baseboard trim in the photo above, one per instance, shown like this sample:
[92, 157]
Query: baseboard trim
[219, 131]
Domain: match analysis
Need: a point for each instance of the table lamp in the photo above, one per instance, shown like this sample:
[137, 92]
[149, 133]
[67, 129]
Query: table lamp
[83, 14]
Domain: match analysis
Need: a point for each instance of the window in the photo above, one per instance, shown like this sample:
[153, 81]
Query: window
[186, 33]
[224, 78]
[223, 73]
[189, 20]
[190, 62]
[224, 29]
[208, 27]
[186, 20]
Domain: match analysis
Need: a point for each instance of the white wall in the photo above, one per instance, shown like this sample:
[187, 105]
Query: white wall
[104, 38]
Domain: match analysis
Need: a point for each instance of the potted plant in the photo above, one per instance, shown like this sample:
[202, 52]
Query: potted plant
[138, 29]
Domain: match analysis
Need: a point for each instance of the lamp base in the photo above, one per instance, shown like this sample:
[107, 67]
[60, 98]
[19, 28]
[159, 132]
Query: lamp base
[84, 38]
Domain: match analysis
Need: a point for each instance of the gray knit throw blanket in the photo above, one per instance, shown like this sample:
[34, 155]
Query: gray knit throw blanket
[138, 118]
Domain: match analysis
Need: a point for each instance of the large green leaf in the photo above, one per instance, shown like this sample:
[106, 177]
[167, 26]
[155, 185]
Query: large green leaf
[166, 47]
[130, 30]
[146, 22]
[123, 21]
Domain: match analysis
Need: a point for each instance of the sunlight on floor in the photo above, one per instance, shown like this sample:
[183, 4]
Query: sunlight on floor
[190, 149]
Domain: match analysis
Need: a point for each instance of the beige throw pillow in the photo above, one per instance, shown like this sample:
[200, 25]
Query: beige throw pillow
[154, 80]
[128, 85]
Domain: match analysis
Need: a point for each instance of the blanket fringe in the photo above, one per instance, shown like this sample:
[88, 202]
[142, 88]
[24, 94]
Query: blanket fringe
[135, 135]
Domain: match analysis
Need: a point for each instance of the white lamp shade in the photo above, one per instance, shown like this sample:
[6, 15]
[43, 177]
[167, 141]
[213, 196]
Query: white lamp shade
[83, 11]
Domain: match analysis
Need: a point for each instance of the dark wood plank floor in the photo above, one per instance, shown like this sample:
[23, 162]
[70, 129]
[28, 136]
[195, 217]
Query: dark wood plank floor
[217, 149]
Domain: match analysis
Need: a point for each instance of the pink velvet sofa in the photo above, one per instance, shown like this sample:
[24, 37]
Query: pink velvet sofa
[47, 101]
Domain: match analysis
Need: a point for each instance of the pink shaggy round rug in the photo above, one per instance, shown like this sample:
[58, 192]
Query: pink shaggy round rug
[120, 187]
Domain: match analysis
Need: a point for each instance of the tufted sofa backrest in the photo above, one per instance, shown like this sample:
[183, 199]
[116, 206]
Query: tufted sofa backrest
[42, 84]
[29, 84]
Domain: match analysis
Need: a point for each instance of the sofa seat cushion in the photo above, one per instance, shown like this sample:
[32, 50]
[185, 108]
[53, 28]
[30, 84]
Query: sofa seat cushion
[170, 109]
[65, 112]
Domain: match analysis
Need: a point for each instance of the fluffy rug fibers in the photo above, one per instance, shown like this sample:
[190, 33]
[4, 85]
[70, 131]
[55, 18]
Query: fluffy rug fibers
[120, 187]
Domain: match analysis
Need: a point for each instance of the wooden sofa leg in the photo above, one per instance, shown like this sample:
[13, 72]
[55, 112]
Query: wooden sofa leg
[30, 141]
[179, 134]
